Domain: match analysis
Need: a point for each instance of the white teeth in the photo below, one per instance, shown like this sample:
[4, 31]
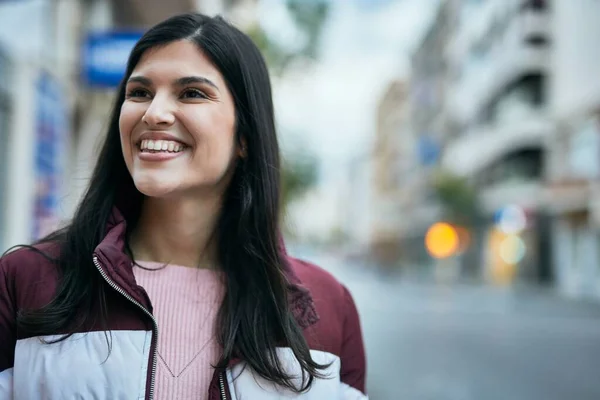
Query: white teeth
[161, 145]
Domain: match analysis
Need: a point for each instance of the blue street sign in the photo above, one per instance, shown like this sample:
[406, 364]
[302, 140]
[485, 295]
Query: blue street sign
[428, 150]
[105, 57]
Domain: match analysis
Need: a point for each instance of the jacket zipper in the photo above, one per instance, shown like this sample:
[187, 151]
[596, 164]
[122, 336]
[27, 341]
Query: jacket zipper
[222, 385]
[155, 324]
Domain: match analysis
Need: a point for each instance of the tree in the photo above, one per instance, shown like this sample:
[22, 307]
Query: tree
[460, 204]
[457, 197]
[299, 173]
[299, 169]
[309, 18]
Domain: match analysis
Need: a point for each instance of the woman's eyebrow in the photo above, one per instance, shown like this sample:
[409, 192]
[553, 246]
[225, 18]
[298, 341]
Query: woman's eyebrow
[140, 79]
[186, 80]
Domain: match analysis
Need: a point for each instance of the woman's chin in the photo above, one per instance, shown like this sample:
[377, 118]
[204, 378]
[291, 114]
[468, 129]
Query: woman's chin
[153, 188]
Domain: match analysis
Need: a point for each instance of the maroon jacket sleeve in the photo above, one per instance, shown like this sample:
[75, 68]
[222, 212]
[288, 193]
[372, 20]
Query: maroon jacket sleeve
[353, 361]
[7, 321]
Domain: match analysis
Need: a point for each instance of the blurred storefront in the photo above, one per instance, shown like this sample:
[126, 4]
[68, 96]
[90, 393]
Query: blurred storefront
[574, 161]
[573, 198]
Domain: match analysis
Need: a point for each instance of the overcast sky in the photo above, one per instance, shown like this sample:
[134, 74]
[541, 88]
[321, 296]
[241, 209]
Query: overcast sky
[30, 34]
[366, 44]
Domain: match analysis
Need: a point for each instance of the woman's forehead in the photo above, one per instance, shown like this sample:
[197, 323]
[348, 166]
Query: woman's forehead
[175, 60]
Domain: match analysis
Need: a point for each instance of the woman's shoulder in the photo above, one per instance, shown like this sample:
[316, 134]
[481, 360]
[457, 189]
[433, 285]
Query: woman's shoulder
[30, 269]
[338, 329]
[320, 282]
[27, 256]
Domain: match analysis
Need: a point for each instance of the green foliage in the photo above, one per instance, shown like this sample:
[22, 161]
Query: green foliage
[299, 170]
[309, 17]
[299, 173]
[457, 196]
[277, 58]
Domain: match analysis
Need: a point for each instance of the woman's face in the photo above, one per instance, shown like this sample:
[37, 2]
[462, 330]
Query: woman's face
[177, 123]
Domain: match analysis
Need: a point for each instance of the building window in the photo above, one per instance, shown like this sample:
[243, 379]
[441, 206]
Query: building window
[533, 89]
[521, 166]
[537, 40]
[537, 5]
[527, 92]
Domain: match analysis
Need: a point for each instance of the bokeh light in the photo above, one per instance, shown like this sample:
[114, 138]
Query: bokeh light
[442, 240]
[512, 219]
[512, 249]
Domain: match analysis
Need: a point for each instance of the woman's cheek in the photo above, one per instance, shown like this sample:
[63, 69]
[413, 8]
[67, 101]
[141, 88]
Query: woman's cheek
[127, 117]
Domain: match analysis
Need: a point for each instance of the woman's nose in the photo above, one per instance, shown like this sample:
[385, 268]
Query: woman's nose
[159, 113]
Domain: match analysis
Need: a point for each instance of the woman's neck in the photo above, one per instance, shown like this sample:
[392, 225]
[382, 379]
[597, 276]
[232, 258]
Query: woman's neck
[177, 231]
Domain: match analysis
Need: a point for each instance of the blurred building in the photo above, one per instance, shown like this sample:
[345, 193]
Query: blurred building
[431, 126]
[574, 148]
[38, 77]
[499, 124]
[508, 89]
[389, 157]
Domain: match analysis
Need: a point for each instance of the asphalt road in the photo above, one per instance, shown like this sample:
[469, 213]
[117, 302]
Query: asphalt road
[428, 341]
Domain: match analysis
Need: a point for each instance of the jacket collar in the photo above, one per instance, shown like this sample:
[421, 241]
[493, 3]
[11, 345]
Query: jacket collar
[118, 267]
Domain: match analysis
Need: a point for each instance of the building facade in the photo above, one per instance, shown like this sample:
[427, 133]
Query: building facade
[500, 123]
[390, 159]
[39, 78]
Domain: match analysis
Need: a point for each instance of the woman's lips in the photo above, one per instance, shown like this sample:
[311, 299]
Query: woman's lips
[160, 150]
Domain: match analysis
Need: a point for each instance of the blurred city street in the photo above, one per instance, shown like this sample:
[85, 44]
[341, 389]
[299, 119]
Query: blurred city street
[428, 341]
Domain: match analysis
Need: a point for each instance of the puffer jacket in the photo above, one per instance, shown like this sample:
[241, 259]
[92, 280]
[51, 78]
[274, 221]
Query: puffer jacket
[79, 367]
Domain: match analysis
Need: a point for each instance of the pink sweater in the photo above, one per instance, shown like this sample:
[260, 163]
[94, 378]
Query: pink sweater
[186, 301]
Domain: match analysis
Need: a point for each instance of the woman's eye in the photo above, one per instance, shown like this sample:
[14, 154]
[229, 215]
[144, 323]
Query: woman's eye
[138, 93]
[193, 94]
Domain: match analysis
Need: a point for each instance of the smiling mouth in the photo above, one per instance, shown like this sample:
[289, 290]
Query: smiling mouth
[161, 146]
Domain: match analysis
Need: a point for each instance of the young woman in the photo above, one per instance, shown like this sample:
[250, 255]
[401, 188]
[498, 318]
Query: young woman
[172, 281]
